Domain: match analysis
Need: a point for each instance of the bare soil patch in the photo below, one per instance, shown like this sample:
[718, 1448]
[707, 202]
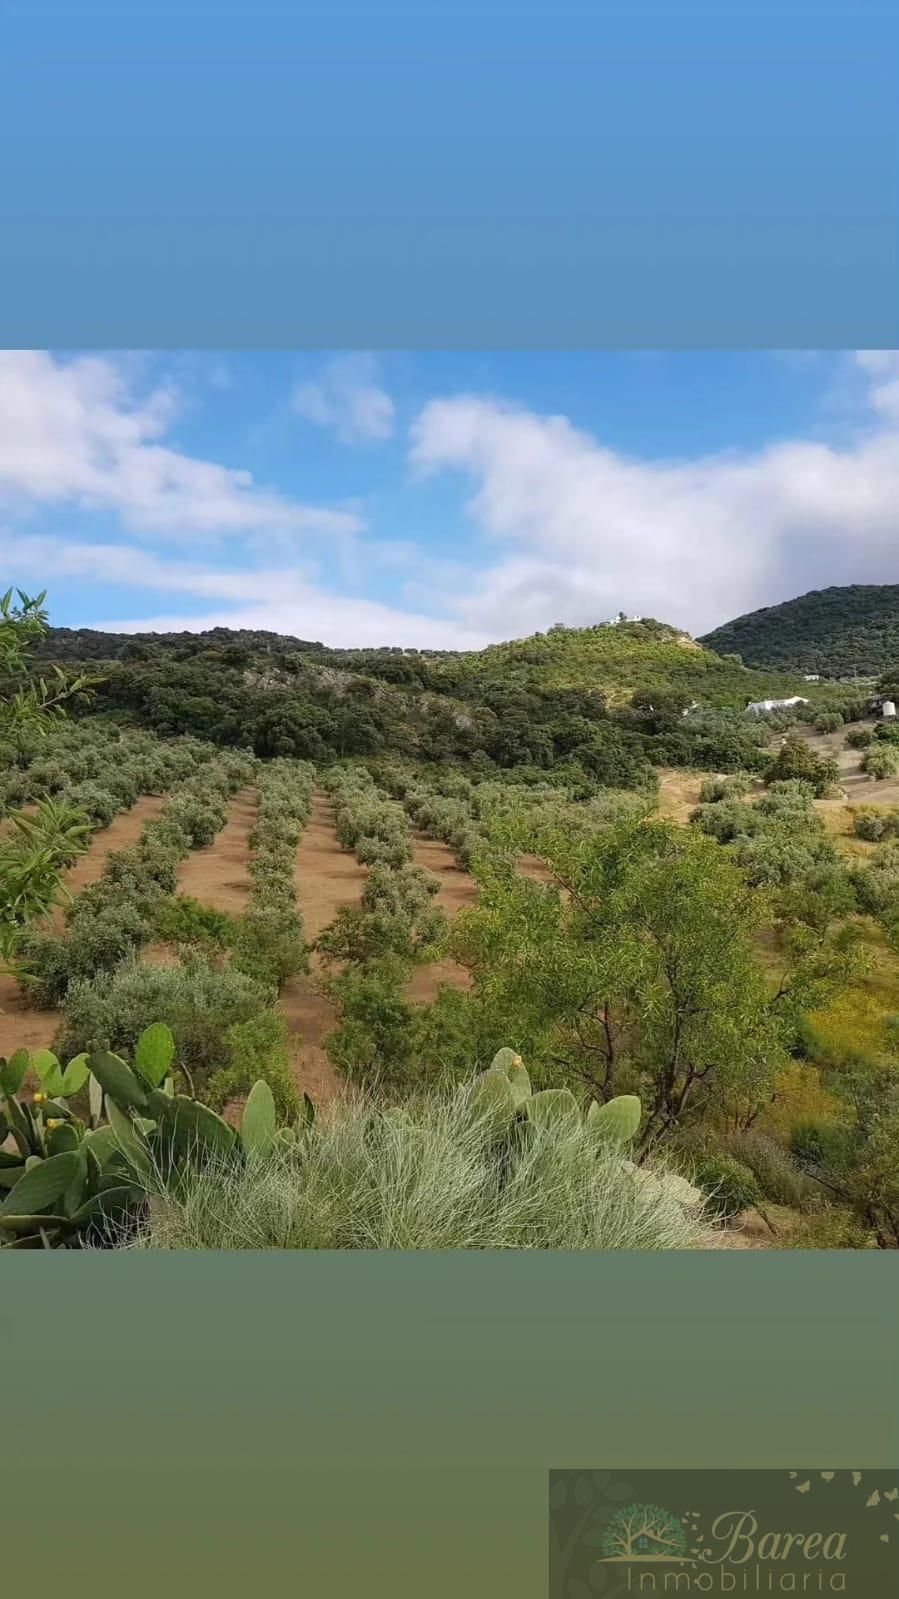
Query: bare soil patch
[679, 794]
[326, 877]
[218, 874]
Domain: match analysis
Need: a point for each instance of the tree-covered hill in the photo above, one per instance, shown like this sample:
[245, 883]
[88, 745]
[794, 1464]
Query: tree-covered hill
[837, 632]
[603, 704]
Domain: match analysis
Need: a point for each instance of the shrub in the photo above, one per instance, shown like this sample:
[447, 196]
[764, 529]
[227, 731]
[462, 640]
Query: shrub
[97, 803]
[371, 851]
[93, 945]
[858, 738]
[727, 819]
[200, 1002]
[880, 760]
[184, 922]
[375, 1041]
[733, 786]
[833, 1228]
[729, 1185]
[819, 1145]
[253, 1049]
[200, 816]
[797, 759]
[829, 722]
[872, 824]
[268, 943]
[777, 1176]
[425, 1175]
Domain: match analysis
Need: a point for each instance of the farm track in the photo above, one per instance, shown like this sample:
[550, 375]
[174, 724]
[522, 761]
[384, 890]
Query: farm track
[20, 1027]
[326, 877]
[218, 875]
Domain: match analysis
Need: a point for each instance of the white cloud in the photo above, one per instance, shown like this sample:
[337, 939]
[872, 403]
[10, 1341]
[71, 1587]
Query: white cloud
[690, 541]
[281, 599]
[73, 432]
[882, 367]
[343, 621]
[348, 399]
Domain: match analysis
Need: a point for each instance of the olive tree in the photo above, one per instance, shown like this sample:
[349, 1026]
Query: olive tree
[35, 848]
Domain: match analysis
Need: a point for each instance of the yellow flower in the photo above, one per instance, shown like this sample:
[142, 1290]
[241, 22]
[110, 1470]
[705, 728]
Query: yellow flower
[39, 1099]
[54, 1121]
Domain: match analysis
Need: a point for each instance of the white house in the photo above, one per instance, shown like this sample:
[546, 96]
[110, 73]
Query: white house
[761, 707]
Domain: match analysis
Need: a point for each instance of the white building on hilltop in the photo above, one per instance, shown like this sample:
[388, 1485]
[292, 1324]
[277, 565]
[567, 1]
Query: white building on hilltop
[761, 707]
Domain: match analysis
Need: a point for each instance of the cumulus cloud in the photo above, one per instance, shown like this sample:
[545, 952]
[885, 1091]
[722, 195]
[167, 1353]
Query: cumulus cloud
[73, 432]
[571, 530]
[691, 541]
[348, 399]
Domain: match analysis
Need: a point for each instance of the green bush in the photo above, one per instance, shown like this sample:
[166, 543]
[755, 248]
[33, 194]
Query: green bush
[200, 816]
[834, 1228]
[254, 1049]
[269, 945]
[97, 803]
[872, 824]
[733, 786]
[880, 760]
[92, 945]
[199, 1001]
[729, 1185]
[375, 1041]
[185, 923]
[797, 760]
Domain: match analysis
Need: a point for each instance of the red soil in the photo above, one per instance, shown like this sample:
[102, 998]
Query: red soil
[218, 875]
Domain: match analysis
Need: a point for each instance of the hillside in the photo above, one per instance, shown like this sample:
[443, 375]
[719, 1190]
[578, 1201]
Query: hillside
[837, 632]
[604, 704]
[614, 662]
[643, 658]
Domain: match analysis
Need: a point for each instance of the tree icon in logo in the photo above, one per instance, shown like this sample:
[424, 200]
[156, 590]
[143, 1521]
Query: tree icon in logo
[645, 1532]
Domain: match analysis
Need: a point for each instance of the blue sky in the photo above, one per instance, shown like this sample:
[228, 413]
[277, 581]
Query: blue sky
[442, 499]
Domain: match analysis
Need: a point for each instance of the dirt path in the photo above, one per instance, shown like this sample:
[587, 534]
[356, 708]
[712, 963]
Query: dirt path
[218, 875]
[457, 890]
[326, 877]
[21, 1027]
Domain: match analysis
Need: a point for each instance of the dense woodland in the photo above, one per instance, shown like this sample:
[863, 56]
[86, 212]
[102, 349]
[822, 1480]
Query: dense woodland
[837, 632]
[639, 1028]
[598, 705]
